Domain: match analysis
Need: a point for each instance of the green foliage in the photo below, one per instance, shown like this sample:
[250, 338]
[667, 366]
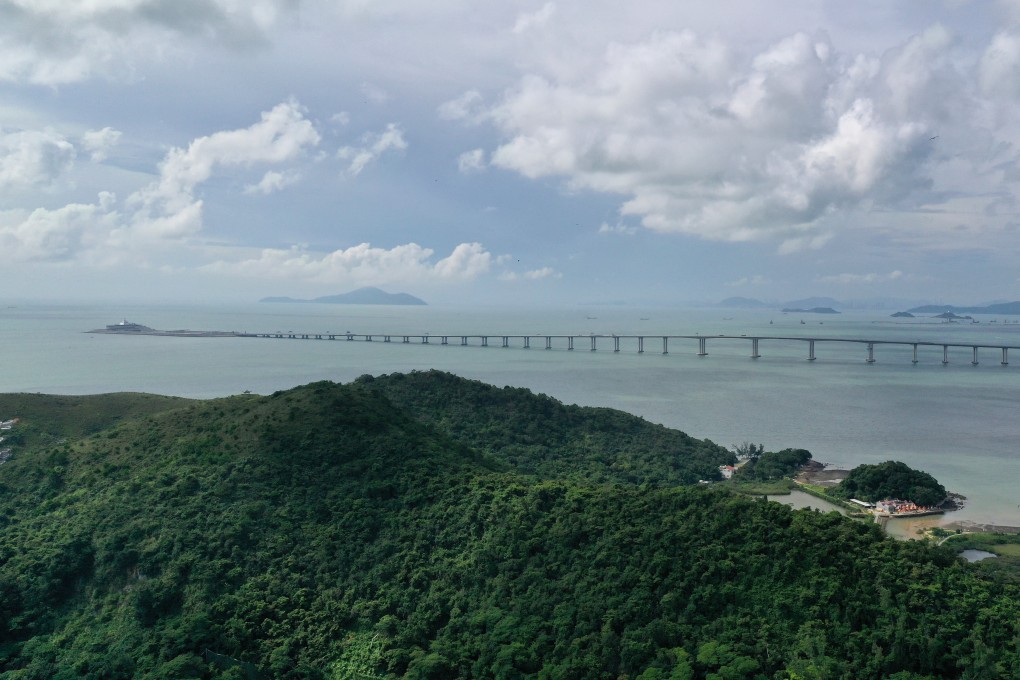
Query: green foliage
[331, 532]
[771, 465]
[891, 479]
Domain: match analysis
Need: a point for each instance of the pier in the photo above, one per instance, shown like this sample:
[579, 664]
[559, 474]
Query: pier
[869, 349]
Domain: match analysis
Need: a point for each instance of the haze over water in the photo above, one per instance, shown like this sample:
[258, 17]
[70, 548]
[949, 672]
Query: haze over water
[957, 422]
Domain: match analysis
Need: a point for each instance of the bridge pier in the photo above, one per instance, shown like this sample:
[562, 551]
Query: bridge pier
[445, 340]
[548, 342]
[914, 360]
[665, 344]
[407, 339]
[974, 361]
[527, 342]
[1005, 361]
[616, 343]
[641, 344]
[702, 350]
[424, 339]
[463, 341]
[570, 342]
[754, 349]
[593, 343]
[811, 350]
[945, 354]
[368, 338]
[871, 353]
[485, 341]
[506, 341]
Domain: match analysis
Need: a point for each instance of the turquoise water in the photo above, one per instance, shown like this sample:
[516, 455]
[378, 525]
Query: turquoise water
[958, 422]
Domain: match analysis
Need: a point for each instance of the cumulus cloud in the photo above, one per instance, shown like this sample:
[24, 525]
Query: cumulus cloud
[362, 264]
[54, 43]
[756, 280]
[169, 208]
[166, 209]
[99, 142]
[372, 147]
[698, 138]
[33, 157]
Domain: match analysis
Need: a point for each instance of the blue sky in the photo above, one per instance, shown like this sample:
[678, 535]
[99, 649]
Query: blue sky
[555, 152]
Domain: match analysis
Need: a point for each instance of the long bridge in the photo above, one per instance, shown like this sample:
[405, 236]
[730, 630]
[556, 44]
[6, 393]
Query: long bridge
[638, 343]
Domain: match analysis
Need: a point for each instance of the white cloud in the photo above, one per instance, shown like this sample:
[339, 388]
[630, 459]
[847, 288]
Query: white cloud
[618, 228]
[99, 142]
[529, 21]
[543, 273]
[165, 210]
[362, 264]
[272, 182]
[169, 208]
[33, 157]
[852, 279]
[373, 146]
[756, 280]
[469, 106]
[471, 161]
[51, 42]
[698, 138]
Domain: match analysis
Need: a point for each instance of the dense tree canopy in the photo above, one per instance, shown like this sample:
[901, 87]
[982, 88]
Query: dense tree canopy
[891, 479]
[329, 532]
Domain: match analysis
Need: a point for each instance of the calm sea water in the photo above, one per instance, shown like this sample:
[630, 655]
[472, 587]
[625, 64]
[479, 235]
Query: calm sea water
[959, 422]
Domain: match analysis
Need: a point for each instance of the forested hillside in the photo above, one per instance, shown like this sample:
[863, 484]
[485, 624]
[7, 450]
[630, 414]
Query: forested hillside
[335, 531]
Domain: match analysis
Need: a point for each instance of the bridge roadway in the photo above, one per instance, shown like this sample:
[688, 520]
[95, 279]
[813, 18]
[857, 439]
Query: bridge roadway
[592, 342]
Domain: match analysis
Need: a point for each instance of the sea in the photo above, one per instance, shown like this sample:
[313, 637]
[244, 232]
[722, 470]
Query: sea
[957, 421]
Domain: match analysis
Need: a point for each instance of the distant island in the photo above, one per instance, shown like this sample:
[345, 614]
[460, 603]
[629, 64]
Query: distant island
[1000, 308]
[362, 296]
[902, 315]
[813, 310]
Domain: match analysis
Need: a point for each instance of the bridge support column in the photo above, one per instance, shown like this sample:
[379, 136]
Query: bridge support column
[385, 338]
[407, 339]
[754, 349]
[570, 342]
[350, 337]
[527, 342]
[945, 354]
[1005, 361]
[593, 343]
[368, 338]
[424, 339]
[548, 342]
[914, 360]
[640, 345]
[871, 353]
[506, 341]
[811, 350]
[665, 344]
[485, 341]
[445, 340]
[616, 343]
[463, 340]
[974, 361]
[702, 349]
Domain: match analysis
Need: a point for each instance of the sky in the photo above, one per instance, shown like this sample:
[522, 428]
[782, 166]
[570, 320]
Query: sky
[520, 152]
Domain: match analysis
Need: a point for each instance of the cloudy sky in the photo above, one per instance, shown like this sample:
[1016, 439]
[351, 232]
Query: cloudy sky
[514, 152]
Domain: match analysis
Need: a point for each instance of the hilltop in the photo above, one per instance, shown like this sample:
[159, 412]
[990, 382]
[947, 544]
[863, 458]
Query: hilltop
[396, 526]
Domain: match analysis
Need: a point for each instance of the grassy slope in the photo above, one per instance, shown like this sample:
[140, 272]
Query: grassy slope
[322, 533]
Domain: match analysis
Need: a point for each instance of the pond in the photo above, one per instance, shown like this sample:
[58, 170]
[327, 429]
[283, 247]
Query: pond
[972, 555]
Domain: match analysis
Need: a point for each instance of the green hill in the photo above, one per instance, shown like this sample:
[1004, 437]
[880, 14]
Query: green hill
[330, 532]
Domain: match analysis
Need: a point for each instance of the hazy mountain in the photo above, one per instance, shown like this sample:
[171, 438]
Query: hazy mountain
[361, 296]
